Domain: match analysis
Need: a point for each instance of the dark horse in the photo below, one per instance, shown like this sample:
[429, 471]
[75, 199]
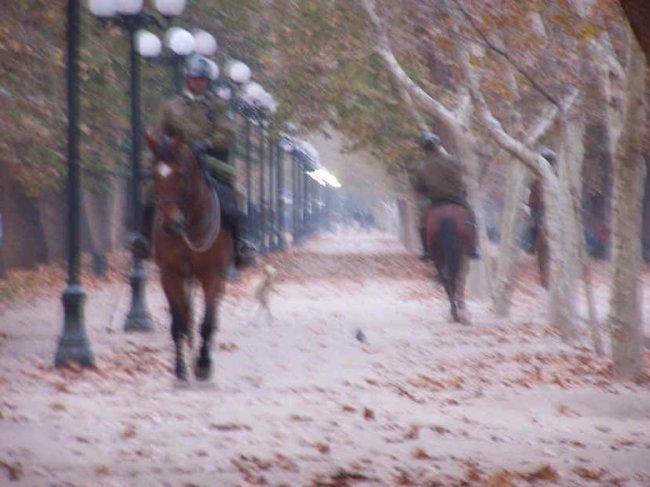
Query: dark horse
[449, 234]
[189, 244]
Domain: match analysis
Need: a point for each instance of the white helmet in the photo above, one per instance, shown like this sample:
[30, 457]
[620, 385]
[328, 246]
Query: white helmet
[197, 67]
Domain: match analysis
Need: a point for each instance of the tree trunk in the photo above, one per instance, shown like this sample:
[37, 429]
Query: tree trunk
[564, 243]
[625, 314]
[518, 180]
[407, 225]
[509, 245]
[465, 142]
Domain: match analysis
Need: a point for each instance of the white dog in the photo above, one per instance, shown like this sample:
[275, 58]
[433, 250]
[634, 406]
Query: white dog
[262, 294]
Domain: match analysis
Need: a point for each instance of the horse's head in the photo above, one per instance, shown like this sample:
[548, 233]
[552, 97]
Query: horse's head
[171, 179]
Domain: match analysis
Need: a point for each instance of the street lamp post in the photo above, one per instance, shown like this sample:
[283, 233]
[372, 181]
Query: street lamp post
[73, 345]
[254, 104]
[138, 318]
[280, 244]
[238, 74]
[285, 145]
[273, 197]
[249, 176]
[295, 191]
[306, 202]
[181, 43]
[261, 230]
[132, 18]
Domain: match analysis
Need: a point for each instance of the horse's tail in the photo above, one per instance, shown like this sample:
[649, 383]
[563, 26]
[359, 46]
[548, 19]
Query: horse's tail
[451, 251]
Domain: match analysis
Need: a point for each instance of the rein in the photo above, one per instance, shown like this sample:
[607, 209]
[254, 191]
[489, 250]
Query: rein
[215, 225]
[204, 242]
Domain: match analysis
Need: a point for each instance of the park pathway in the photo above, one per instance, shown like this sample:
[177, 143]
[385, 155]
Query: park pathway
[359, 380]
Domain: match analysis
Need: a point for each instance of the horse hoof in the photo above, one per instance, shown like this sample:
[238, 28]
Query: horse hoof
[181, 374]
[203, 373]
[203, 370]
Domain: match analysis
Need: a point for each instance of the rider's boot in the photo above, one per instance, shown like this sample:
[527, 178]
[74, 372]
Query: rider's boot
[244, 249]
[141, 243]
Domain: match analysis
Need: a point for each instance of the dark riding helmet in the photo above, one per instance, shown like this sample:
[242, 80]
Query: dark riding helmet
[430, 140]
[197, 67]
[549, 155]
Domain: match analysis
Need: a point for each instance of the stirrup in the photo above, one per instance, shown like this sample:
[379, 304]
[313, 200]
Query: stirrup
[244, 253]
[141, 247]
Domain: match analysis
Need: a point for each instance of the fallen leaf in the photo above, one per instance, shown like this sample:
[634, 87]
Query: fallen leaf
[420, 454]
[228, 347]
[441, 430]
[625, 441]
[15, 470]
[343, 475]
[590, 473]
[368, 413]
[566, 410]
[412, 433]
[404, 478]
[322, 448]
[129, 431]
[545, 472]
[502, 478]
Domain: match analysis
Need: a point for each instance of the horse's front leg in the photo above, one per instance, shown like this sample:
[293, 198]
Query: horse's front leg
[203, 368]
[179, 333]
[179, 308]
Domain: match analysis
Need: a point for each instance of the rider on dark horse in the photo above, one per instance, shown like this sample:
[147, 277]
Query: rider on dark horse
[438, 178]
[201, 119]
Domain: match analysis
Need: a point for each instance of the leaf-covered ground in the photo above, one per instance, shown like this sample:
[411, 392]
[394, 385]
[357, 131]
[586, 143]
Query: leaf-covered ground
[303, 401]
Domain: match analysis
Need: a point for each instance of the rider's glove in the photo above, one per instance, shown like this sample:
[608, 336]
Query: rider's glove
[199, 147]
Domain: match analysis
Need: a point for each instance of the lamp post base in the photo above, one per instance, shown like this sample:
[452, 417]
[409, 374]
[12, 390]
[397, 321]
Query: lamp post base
[73, 346]
[138, 318]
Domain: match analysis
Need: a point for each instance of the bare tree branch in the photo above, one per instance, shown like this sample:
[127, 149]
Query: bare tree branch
[384, 50]
[505, 55]
[515, 147]
[419, 119]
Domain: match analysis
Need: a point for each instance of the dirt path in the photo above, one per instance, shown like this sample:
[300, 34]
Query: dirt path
[303, 402]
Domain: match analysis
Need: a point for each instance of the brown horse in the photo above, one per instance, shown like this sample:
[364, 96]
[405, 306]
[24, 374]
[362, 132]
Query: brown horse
[449, 233]
[189, 244]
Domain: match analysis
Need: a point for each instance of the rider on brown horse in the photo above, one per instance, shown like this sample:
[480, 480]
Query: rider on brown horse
[439, 178]
[202, 120]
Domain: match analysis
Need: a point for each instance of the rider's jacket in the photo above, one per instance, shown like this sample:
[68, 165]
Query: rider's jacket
[199, 118]
[440, 177]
